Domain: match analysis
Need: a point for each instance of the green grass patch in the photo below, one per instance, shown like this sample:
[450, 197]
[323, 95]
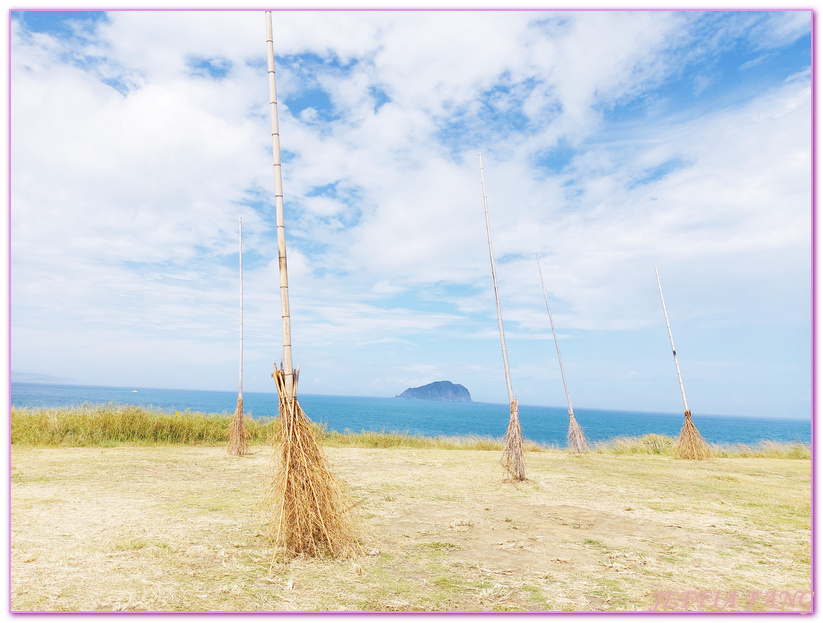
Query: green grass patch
[110, 425]
[440, 546]
[113, 425]
[662, 445]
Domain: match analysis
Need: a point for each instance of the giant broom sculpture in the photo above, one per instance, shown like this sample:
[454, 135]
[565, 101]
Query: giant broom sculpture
[575, 437]
[238, 445]
[512, 459]
[689, 444]
[311, 508]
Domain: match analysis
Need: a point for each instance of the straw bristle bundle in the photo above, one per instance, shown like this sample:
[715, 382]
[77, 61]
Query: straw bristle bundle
[690, 444]
[238, 443]
[513, 451]
[575, 437]
[311, 508]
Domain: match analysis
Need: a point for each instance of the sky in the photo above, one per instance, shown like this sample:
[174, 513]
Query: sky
[613, 143]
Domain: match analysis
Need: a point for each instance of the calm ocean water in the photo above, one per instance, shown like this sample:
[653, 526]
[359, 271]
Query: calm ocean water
[541, 424]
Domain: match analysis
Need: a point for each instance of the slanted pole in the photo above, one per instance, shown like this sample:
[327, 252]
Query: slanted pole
[575, 437]
[689, 444]
[494, 281]
[671, 339]
[513, 452]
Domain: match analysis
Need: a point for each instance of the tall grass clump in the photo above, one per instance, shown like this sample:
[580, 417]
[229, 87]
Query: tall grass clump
[575, 438]
[512, 459]
[311, 509]
[663, 445]
[394, 439]
[763, 450]
[690, 444]
[238, 438]
[111, 424]
[647, 444]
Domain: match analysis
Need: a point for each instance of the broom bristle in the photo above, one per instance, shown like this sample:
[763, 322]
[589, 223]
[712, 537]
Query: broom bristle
[690, 444]
[238, 444]
[513, 451]
[311, 508]
[575, 437]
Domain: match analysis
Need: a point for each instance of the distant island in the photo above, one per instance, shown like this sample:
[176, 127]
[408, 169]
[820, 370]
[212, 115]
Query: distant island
[440, 390]
[30, 377]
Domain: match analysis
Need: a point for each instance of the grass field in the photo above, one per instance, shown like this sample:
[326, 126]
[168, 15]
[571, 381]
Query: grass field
[173, 526]
[111, 425]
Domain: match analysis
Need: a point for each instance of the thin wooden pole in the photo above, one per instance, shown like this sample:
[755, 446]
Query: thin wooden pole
[238, 444]
[240, 393]
[556, 343]
[281, 229]
[671, 339]
[512, 459]
[575, 436]
[494, 281]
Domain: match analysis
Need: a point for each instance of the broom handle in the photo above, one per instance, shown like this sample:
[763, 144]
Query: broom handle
[281, 229]
[240, 394]
[494, 280]
[671, 339]
[556, 343]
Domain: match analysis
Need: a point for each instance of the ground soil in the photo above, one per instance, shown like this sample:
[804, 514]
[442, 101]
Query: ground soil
[178, 528]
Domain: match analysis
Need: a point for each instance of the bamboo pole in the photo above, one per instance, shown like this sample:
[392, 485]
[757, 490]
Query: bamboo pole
[671, 339]
[238, 444]
[240, 392]
[311, 507]
[576, 439]
[689, 444]
[494, 281]
[513, 452]
[556, 343]
[287, 365]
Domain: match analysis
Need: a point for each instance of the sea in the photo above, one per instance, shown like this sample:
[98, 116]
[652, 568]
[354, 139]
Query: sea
[422, 417]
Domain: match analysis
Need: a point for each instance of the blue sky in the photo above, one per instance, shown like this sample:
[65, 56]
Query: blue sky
[613, 143]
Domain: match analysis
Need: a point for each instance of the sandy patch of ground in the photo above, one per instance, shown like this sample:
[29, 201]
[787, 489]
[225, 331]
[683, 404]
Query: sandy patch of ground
[176, 528]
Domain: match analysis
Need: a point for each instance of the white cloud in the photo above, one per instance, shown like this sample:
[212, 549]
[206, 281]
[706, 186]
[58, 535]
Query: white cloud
[125, 200]
[781, 28]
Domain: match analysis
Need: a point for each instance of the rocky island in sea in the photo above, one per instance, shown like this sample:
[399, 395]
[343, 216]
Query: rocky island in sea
[440, 390]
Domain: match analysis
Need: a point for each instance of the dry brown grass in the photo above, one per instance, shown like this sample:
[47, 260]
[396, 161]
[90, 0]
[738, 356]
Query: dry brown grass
[309, 506]
[512, 459]
[690, 444]
[575, 437]
[175, 528]
[238, 443]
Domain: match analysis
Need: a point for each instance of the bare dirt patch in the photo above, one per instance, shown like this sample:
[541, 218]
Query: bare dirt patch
[176, 528]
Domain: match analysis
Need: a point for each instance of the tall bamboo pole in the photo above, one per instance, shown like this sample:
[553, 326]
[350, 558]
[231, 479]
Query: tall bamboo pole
[576, 439]
[689, 444]
[513, 452]
[494, 281]
[281, 230]
[556, 343]
[311, 507]
[238, 445]
[671, 339]
[240, 229]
